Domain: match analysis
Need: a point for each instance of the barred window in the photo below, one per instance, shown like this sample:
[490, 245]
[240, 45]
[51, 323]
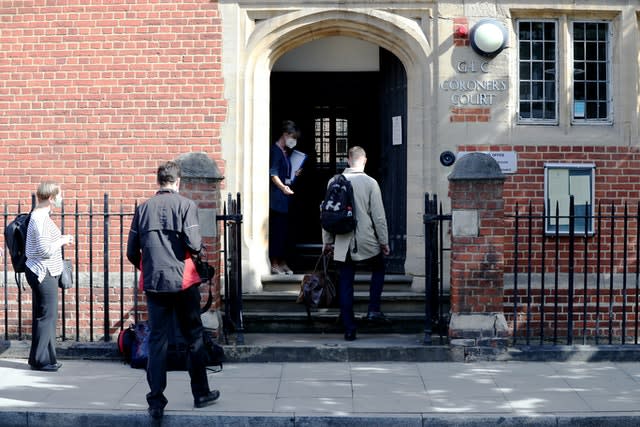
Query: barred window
[591, 71]
[539, 53]
[537, 47]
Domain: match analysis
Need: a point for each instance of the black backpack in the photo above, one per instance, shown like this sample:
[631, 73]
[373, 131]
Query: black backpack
[337, 211]
[15, 237]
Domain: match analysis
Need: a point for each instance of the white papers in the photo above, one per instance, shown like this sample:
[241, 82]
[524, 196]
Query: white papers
[296, 158]
[396, 130]
[557, 194]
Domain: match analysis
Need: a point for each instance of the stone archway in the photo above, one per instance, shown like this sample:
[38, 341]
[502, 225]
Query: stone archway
[246, 136]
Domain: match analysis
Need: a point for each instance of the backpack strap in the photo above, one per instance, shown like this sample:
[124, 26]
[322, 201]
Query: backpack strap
[355, 240]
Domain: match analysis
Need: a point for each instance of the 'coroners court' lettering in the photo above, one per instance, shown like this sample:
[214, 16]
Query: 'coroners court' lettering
[479, 89]
[474, 85]
[474, 92]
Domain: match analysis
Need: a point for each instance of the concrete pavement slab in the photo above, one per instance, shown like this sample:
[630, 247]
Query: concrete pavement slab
[89, 392]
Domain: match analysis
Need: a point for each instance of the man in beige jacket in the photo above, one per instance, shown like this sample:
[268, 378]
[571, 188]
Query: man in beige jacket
[367, 244]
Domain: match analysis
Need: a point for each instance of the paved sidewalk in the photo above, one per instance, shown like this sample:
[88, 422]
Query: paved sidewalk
[108, 393]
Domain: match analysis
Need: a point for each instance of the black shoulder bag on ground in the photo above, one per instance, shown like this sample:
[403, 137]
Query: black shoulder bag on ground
[133, 345]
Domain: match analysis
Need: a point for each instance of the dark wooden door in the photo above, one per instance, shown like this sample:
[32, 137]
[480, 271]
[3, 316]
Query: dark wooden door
[393, 155]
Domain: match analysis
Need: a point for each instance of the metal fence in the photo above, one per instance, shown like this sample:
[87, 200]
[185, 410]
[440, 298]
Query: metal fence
[435, 224]
[578, 285]
[105, 293]
[232, 255]
[581, 286]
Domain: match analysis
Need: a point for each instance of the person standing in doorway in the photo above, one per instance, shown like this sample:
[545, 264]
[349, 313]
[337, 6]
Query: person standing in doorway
[367, 244]
[164, 235]
[43, 248]
[280, 193]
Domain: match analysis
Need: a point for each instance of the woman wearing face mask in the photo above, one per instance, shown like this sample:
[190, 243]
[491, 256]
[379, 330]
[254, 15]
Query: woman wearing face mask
[280, 195]
[44, 266]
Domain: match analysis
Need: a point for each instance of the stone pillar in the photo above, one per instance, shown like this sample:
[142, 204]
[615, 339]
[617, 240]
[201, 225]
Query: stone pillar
[201, 183]
[477, 247]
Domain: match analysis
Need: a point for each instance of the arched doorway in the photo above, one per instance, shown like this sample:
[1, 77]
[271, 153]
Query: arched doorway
[250, 51]
[355, 103]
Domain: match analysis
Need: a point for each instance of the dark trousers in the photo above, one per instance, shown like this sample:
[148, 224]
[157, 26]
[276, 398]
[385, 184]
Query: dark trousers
[278, 234]
[186, 307]
[44, 319]
[347, 273]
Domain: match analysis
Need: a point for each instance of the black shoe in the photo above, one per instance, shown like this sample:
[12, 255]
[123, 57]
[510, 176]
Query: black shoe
[378, 317]
[350, 336]
[156, 413]
[47, 368]
[207, 399]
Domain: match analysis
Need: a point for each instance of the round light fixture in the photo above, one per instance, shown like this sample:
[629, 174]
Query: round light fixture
[488, 37]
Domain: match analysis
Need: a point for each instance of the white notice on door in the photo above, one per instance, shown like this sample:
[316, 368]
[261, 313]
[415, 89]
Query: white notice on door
[396, 130]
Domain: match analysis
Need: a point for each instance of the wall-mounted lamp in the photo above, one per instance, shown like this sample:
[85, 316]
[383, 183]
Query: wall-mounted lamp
[488, 37]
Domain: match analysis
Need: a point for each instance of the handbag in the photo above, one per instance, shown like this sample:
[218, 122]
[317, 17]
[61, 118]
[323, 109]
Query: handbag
[317, 290]
[66, 278]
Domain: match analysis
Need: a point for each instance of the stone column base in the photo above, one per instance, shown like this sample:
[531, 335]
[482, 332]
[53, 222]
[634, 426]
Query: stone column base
[478, 326]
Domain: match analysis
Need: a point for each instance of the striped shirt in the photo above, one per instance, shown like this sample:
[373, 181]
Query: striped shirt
[43, 245]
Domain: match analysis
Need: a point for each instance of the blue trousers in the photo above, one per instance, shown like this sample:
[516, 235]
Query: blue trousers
[347, 273]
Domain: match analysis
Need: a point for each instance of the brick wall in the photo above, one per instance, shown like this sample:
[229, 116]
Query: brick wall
[477, 261]
[85, 303]
[460, 32]
[598, 318]
[470, 114]
[95, 94]
[616, 182]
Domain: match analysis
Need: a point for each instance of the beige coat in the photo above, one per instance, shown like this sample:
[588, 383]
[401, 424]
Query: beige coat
[371, 232]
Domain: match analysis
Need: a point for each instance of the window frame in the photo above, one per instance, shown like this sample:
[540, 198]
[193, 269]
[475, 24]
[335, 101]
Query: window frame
[537, 121]
[609, 60]
[564, 57]
[549, 211]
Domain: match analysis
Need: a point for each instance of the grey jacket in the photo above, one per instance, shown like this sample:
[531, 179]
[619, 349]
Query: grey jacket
[164, 232]
[371, 232]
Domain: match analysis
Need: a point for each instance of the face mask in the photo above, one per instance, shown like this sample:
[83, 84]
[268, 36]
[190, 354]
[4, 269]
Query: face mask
[291, 142]
[57, 202]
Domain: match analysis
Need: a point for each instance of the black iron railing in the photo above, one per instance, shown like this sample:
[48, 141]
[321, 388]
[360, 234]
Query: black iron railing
[589, 299]
[232, 246]
[92, 311]
[434, 225]
[83, 224]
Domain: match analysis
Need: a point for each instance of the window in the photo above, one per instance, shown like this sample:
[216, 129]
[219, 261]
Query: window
[561, 181]
[590, 71]
[538, 64]
[331, 136]
[537, 70]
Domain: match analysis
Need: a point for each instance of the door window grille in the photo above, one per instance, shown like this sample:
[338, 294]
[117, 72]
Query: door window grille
[331, 136]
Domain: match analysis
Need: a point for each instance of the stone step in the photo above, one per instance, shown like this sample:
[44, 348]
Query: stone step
[327, 321]
[281, 282]
[285, 301]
